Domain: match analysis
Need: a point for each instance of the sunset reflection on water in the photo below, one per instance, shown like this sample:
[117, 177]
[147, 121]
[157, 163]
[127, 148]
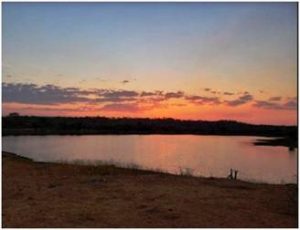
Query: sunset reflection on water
[204, 155]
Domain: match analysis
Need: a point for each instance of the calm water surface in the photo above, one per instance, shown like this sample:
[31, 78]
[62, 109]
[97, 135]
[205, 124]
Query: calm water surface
[205, 155]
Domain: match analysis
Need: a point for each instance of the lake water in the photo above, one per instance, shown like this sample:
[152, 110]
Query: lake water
[204, 155]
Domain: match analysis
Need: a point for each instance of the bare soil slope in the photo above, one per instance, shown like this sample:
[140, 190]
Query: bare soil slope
[61, 195]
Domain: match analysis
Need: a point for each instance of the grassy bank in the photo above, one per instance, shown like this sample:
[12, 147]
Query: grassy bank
[64, 195]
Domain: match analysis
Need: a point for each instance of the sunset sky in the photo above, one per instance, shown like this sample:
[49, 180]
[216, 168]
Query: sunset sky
[200, 61]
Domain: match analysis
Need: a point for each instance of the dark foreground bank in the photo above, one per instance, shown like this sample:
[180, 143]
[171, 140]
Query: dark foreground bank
[63, 195]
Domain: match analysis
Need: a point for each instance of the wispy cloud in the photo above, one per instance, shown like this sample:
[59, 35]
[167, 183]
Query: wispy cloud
[274, 98]
[117, 93]
[33, 94]
[200, 100]
[218, 92]
[147, 94]
[228, 93]
[214, 92]
[129, 100]
[241, 100]
[290, 104]
[178, 94]
[53, 95]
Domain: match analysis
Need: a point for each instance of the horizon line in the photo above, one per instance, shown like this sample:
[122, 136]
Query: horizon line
[157, 118]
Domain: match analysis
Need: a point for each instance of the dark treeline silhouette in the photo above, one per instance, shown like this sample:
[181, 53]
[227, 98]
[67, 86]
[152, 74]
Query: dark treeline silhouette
[35, 125]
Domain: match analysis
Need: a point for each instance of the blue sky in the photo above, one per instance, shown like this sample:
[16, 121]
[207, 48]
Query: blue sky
[153, 46]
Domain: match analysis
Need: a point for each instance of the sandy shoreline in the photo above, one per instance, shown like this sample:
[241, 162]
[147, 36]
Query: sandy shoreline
[63, 195]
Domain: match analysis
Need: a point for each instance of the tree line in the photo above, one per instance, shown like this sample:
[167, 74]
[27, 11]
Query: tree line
[37, 125]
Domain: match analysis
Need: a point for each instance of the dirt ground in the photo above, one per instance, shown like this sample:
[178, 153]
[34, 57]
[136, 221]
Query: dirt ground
[61, 195]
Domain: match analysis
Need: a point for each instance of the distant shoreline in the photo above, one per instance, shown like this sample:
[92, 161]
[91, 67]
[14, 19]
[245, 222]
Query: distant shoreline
[35, 125]
[286, 142]
[105, 125]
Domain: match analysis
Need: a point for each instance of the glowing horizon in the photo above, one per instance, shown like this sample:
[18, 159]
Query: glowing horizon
[199, 61]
